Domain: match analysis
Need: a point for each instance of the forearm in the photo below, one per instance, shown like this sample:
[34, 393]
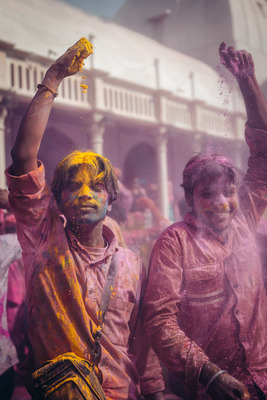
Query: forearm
[33, 124]
[255, 102]
[30, 133]
[157, 214]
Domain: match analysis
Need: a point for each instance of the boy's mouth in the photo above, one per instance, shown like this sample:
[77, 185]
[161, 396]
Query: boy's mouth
[87, 206]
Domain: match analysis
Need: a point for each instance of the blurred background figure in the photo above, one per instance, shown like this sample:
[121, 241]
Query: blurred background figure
[14, 343]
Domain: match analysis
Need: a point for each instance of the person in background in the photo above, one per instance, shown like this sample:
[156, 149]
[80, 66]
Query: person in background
[205, 307]
[10, 259]
[125, 197]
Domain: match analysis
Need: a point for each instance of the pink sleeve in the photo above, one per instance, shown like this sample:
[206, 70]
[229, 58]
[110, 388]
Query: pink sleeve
[163, 295]
[147, 362]
[29, 199]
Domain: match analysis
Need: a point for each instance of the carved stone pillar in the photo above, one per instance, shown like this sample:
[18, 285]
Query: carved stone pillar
[3, 115]
[162, 159]
[96, 133]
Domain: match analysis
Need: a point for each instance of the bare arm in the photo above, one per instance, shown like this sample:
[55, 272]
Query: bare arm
[33, 124]
[240, 64]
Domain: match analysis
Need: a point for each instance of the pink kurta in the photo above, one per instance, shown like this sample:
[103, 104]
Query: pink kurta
[64, 285]
[205, 297]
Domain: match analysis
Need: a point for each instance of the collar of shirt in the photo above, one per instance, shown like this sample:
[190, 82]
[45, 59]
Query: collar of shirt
[191, 220]
[110, 249]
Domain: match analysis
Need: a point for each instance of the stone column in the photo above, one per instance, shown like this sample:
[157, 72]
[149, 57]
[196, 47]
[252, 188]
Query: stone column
[3, 115]
[96, 134]
[161, 149]
[196, 126]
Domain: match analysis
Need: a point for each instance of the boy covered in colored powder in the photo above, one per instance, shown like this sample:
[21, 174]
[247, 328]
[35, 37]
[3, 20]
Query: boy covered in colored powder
[205, 306]
[66, 264]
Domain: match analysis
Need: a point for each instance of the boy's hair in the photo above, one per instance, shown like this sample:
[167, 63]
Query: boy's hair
[203, 166]
[100, 167]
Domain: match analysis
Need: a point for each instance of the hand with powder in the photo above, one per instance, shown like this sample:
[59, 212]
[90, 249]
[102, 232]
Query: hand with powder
[238, 62]
[68, 64]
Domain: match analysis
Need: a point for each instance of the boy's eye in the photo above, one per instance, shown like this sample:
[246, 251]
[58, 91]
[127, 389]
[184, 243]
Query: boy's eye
[207, 195]
[72, 186]
[98, 187]
[229, 193]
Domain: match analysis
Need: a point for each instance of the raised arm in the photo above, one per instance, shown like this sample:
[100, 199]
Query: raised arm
[33, 124]
[240, 64]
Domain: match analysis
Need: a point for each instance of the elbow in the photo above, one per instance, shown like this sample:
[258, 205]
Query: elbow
[17, 156]
[22, 164]
[13, 154]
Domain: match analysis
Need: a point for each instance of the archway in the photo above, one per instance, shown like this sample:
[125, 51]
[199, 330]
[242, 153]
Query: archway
[140, 162]
[55, 146]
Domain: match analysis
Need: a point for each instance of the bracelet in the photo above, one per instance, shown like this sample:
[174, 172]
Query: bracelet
[40, 85]
[212, 379]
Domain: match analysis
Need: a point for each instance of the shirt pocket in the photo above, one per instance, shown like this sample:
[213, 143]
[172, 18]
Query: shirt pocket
[202, 272]
[116, 325]
[204, 283]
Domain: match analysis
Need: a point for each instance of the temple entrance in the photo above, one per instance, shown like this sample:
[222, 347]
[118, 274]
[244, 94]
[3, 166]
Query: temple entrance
[140, 162]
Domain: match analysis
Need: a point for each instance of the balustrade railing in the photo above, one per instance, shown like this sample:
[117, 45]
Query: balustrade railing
[24, 76]
[127, 102]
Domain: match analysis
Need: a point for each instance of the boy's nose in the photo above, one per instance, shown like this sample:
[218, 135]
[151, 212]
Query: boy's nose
[222, 202]
[85, 191]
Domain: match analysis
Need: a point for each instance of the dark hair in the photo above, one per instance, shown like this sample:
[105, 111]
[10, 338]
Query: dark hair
[203, 166]
[100, 167]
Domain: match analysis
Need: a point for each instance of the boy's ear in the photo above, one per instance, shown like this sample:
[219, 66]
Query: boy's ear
[189, 199]
[109, 207]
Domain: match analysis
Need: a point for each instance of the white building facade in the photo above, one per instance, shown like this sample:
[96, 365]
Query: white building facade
[148, 108]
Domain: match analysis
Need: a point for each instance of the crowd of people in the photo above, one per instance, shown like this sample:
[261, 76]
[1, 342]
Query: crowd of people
[96, 278]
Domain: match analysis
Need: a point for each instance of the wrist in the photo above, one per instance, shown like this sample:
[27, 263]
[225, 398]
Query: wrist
[213, 378]
[246, 82]
[207, 372]
[51, 81]
[47, 88]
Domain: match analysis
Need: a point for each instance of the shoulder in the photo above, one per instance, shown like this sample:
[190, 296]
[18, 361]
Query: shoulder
[8, 241]
[171, 241]
[173, 232]
[129, 264]
[125, 255]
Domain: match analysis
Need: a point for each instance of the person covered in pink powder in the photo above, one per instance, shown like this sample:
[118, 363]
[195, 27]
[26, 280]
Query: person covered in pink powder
[205, 308]
[68, 254]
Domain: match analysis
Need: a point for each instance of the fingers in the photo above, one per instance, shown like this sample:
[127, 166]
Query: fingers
[82, 49]
[238, 62]
[229, 56]
[246, 395]
[229, 388]
[222, 47]
[79, 52]
[238, 392]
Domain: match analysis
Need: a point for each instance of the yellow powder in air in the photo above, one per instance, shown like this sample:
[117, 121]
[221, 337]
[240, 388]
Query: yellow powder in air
[84, 87]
